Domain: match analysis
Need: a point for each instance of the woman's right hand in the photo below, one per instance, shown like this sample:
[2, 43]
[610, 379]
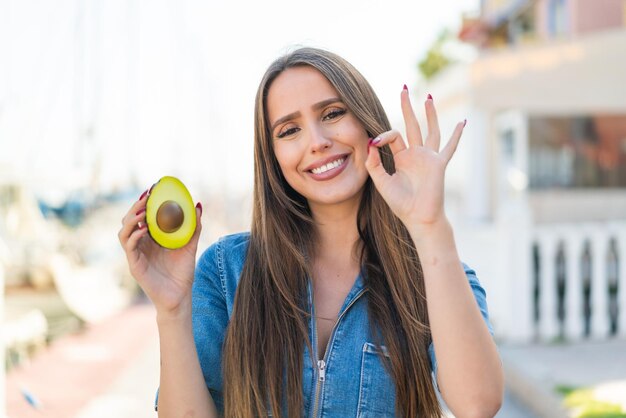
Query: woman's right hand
[164, 275]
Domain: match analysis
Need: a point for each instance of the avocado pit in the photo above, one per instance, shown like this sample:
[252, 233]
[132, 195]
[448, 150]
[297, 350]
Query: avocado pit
[170, 216]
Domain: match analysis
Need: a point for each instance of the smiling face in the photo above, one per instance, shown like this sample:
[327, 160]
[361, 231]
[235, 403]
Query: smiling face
[320, 145]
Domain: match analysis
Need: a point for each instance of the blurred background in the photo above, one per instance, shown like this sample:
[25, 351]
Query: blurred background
[98, 100]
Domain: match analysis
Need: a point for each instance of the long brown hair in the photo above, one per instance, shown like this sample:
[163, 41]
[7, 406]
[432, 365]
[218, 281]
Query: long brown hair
[264, 345]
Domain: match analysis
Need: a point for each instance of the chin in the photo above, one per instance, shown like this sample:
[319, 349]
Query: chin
[333, 198]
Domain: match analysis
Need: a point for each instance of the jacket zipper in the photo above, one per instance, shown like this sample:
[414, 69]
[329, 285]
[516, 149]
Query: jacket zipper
[321, 364]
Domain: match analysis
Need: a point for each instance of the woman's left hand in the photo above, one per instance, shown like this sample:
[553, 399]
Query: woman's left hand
[415, 191]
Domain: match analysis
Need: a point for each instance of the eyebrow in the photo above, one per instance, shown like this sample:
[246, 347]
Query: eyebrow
[293, 115]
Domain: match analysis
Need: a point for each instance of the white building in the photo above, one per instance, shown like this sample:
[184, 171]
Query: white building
[538, 185]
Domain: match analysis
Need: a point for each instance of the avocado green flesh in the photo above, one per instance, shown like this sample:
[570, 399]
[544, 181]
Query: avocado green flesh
[170, 213]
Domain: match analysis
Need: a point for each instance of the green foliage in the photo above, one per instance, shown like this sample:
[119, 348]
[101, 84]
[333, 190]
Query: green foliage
[583, 403]
[565, 389]
[435, 59]
[434, 62]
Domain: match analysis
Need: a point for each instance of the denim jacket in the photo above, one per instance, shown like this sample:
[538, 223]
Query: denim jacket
[350, 381]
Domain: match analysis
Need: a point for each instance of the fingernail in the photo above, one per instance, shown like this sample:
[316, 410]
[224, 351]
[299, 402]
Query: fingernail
[141, 225]
[143, 195]
[464, 122]
[140, 211]
[430, 97]
[199, 205]
[376, 140]
[405, 87]
[369, 142]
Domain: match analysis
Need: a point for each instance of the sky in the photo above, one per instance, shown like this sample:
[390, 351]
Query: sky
[101, 94]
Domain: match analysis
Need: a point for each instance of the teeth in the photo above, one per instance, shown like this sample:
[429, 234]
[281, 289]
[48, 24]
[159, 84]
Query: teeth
[328, 166]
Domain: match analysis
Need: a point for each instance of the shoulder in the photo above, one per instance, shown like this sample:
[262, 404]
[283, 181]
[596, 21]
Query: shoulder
[226, 249]
[220, 265]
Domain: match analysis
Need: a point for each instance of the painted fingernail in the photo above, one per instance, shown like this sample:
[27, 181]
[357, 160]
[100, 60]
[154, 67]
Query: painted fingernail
[140, 211]
[405, 87]
[199, 206]
[464, 122]
[376, 140]
[430, 97]
[143, 195]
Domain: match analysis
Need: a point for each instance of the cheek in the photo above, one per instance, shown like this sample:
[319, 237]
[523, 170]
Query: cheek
[356, 132]
[287, 159]
[350, 134]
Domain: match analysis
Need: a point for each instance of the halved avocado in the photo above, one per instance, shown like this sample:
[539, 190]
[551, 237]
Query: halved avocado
[170, 213]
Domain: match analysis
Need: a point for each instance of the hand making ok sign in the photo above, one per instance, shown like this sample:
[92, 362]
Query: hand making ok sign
[415, 191]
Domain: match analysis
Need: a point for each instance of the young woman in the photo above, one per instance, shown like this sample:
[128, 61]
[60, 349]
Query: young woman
[348, 291]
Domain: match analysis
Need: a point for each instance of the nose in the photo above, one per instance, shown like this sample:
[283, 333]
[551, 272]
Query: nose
[318, 140]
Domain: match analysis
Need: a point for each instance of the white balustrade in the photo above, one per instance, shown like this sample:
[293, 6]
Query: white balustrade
[575, 238]
[548, 324]
[619, 233]
[574, 286]
[599, 286]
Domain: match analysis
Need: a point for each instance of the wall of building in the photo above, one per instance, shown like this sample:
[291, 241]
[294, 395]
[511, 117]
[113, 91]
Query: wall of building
[560, 77]
[589, 16]
[577, 205]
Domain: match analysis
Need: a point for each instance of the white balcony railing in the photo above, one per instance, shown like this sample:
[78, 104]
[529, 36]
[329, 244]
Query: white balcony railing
[578, 274]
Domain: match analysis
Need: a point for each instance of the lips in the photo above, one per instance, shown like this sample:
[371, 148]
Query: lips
[333, 172]
[325, 161]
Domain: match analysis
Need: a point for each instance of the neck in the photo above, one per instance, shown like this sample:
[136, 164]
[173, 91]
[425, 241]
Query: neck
[337, 232]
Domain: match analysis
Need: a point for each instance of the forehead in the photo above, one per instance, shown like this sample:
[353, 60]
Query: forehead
[297, 89]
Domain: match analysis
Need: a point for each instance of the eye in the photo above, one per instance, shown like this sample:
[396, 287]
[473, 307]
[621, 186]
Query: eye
[287, 132]
[333, 113]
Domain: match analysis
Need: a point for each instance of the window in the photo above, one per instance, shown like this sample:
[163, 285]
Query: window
[577, 152]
